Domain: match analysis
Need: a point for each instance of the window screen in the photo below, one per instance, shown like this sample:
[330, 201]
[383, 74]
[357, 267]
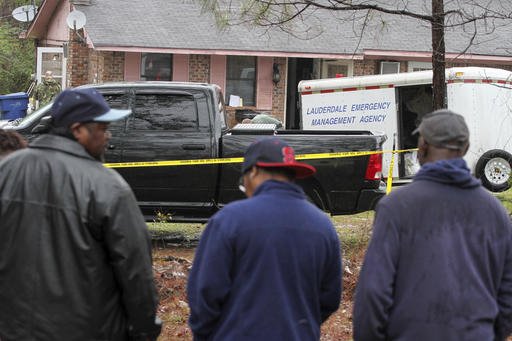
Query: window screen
[241, 78]
[164, 112]
[389, 67]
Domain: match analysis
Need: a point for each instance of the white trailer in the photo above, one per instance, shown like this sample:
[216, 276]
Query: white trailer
[395, 104]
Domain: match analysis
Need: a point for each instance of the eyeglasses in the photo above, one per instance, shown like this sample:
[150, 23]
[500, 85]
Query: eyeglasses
[241, 186]
[97, 126]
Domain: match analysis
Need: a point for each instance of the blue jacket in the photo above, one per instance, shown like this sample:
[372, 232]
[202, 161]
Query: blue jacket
[267, 268]
[439, 265]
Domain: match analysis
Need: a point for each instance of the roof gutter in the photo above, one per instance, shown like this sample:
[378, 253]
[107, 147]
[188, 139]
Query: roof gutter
[427, 57]
[230, 52]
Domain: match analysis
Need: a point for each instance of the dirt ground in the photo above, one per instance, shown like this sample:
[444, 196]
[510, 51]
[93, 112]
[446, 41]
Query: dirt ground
[171, 267]
[172, 264]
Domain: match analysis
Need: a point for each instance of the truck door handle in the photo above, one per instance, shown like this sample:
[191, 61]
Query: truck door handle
[193, 146]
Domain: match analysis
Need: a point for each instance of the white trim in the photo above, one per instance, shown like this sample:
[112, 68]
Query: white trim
[39, 71]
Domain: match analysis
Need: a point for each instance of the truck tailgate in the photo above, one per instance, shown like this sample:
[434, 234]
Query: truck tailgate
[339, 184]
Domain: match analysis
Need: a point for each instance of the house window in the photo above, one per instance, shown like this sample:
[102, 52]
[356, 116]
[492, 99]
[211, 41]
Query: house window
[51, 59]
[156, 67]
[332, 68]
[389, 67]
[241, 79]
[418, 66]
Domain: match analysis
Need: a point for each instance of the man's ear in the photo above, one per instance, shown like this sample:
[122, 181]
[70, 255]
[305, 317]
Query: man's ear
[465, 149]
[422, 145]
[422, 150]
[77, 130]
[253, 172]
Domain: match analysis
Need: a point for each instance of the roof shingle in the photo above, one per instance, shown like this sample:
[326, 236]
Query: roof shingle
[180, 24]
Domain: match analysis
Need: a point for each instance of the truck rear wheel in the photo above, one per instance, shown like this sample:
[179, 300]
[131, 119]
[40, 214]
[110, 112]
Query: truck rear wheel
[494, 169]
[314, 196]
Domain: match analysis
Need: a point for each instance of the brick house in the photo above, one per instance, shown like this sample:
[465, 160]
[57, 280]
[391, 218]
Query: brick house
[162, 40]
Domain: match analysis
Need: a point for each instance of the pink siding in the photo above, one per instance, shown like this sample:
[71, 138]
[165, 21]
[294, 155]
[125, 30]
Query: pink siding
[180, 67]
[132, 66]
[218, 71]
[57, 27]
[264, 83]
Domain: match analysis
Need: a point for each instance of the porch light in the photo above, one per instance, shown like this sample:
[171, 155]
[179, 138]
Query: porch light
[276, 75]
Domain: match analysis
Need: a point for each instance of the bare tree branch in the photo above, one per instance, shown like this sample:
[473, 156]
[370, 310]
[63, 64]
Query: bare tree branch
[476, 17]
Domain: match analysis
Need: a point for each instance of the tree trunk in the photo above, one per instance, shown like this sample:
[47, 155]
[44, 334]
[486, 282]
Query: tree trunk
[438, 55]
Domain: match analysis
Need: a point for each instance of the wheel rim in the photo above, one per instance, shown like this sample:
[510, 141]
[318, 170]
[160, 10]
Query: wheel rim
[497, 171]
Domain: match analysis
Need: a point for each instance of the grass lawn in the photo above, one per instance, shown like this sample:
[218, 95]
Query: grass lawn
[354, 230]
[506, 199]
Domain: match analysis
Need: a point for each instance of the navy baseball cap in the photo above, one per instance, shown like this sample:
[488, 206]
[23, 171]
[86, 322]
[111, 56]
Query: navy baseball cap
[83, 105]
[272, 152]
[445, 129]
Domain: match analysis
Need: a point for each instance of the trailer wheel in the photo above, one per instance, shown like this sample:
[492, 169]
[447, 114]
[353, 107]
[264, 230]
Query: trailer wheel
[494, 169]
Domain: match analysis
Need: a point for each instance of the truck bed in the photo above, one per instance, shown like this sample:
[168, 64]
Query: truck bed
[338, 187]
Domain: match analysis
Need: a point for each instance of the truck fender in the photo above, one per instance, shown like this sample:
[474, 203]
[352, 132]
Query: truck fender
[315, 194]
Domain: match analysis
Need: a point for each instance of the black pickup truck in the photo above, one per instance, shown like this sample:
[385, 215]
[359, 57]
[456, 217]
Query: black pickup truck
[185, 121]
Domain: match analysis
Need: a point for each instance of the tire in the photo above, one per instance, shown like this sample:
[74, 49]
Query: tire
[494, 170]
[313, 196]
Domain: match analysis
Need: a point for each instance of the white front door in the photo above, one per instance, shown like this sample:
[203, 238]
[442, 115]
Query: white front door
[51, 59]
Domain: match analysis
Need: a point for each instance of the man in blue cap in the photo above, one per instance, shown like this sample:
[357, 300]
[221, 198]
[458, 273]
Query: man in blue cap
[75, 254]
[267, 267]
[439, 264]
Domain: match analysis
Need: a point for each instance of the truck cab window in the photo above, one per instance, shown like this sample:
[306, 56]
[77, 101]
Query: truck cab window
[117, 101]
[164, 112]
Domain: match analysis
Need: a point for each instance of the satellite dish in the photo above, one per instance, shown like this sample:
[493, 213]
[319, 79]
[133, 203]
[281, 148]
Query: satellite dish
[24, 13]
[76, 20]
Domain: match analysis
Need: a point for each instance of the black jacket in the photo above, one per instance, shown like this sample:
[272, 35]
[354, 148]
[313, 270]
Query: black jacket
[75, 254]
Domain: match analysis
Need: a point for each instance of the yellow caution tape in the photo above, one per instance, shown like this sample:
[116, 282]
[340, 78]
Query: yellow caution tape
[390, 173]
[172, 163]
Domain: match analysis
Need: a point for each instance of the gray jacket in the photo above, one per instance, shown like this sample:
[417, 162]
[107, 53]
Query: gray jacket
[75, 254]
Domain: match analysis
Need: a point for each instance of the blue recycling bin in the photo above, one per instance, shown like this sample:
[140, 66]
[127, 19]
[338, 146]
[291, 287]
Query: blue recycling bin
[13, 106]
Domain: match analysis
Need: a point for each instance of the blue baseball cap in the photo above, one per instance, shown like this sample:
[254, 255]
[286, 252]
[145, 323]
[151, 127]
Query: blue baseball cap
[273, 152]
[83, 105]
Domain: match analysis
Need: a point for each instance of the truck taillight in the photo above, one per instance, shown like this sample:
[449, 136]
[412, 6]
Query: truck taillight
[374, 168]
